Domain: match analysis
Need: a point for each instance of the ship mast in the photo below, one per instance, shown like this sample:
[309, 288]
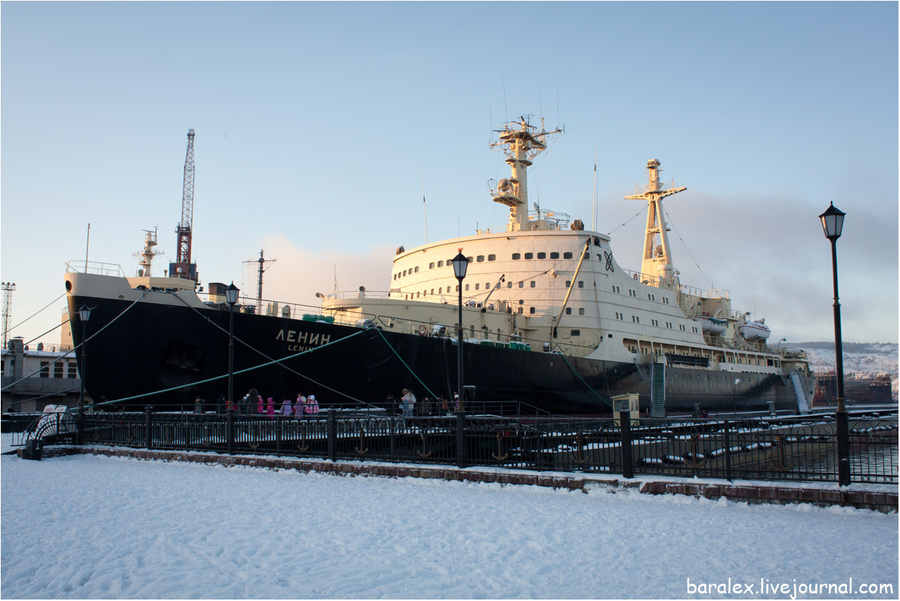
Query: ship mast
[520, 146]
[148, 253]
[656, 265]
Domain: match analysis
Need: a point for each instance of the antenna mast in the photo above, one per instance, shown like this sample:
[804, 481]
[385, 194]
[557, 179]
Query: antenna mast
[183, 268]
[262, 268]
[657, 257]
[8, 289]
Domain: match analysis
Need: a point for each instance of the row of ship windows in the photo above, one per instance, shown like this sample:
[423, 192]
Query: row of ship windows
[481, 258]
[655, 323]
[727, 358]
[487, 286]
[59, 368]
[632, 293]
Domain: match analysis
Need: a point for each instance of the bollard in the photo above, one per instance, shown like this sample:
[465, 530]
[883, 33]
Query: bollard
[627, 463]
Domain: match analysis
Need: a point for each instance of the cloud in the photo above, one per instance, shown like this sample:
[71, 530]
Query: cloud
[299, 273]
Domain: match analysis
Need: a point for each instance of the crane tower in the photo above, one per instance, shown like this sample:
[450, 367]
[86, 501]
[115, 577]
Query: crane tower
[8, 289]
[183, 267]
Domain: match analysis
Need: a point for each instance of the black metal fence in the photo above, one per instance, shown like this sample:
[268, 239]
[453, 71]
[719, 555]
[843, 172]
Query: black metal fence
[807, 448]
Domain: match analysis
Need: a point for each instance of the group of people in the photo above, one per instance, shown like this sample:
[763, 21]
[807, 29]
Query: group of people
[253, 402]
[410, 407]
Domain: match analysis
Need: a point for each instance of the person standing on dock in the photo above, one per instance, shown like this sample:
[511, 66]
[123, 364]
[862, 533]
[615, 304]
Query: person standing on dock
[286, 408]
[312, 405]
[299, 406]
[270, 408]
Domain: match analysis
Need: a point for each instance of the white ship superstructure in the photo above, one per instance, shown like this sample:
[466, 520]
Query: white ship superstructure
[554, 286]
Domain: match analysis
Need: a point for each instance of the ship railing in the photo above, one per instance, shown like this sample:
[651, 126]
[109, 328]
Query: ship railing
[659, 282]
[804, 448]
[95, 267]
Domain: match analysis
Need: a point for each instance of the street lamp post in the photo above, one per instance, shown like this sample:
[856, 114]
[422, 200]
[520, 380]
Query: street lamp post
[832, 224]
[460, 265]
[231, 296]
[85, 314]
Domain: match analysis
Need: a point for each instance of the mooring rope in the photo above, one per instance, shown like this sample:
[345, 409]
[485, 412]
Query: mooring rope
[242, 371]
[83, 342]
[396, 354]
[580, 379]
[271, 360]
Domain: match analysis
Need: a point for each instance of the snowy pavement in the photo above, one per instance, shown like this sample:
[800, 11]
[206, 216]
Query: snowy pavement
[99, 527]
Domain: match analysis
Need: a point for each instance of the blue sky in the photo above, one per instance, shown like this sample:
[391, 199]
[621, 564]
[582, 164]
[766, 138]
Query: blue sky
[319, 126]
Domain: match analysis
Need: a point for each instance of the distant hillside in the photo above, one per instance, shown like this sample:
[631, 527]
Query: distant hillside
[861, 359]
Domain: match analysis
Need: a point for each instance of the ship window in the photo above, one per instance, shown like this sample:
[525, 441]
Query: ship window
[581, 310]
[567, 255]
[521, 310]
[58, 369]
[467, 287]
[529, 255]
[457, 288]
[596, 241]
[477, 286]
[492, 257]
[73, 369]
[568, 310]
[521, 284]
[417, 269]
[440, 263]
[45, 369]
[441, 290]
[509, 284]
[554, 255]
[542, 255]
[516, 256]
[580, 284]
[480, 258]
[576, 332]
[403, 273]
[531, 310]
[533, 283]
[431, 265]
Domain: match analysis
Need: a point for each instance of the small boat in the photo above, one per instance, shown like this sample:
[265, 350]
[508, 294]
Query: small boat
[754, 330]
[712, 325]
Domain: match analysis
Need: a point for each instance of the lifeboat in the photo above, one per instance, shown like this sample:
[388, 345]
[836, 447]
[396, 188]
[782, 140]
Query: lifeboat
[711, 324]
[754, 330]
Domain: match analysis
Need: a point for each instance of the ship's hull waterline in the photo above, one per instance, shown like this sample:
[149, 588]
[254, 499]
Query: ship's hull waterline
[168, 354]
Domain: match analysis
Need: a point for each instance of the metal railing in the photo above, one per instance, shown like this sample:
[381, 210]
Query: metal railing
[793, 449]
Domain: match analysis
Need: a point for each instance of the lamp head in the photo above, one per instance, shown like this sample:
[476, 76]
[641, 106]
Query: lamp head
[460, 265]
[231, 294]
[84, 313]
[832, 222]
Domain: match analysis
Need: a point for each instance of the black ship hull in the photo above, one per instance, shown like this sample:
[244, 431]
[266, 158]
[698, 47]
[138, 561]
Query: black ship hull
[168, 354]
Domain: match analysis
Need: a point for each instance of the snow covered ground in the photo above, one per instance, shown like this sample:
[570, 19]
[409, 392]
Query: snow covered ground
[99, 527]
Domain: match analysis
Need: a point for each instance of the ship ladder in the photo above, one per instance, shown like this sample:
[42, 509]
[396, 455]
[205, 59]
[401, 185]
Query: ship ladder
[799, 394]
